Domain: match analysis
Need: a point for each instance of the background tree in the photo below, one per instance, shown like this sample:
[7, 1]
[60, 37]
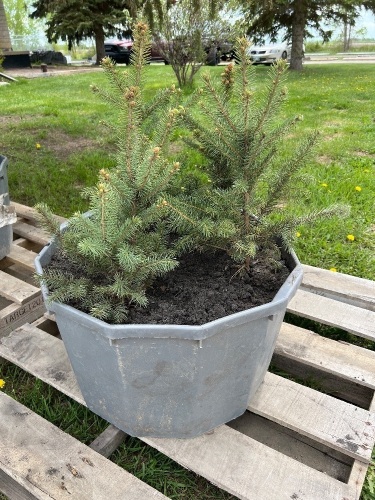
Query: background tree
[347, 28]
[76, 20]
[296, 19]
[348, 23]
[190, 35]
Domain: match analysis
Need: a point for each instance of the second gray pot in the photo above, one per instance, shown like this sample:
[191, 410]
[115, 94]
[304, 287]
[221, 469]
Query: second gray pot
[6, 232]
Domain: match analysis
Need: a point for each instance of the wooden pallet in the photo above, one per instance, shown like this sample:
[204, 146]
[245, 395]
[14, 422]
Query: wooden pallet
[294, 442]
[20, 299]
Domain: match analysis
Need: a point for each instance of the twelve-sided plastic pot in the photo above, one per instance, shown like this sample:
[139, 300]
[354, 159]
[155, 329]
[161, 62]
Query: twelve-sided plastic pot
[172, 381]
[6, 232]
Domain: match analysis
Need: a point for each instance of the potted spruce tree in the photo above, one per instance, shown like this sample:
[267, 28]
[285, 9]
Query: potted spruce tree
[102, 268]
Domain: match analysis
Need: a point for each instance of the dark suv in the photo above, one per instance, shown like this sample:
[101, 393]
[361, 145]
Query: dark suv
[120, 50]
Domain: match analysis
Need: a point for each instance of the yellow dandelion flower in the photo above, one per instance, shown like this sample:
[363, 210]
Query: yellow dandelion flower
[298, 234]
[358, 188]
[333, 269]
[350, 237]
[2, 383]
[323, 184]
[37, 145]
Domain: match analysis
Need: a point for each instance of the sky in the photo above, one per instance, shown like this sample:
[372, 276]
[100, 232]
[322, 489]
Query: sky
[366, 20]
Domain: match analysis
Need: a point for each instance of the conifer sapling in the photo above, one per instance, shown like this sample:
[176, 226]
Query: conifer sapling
[240, 133]
[116, 251]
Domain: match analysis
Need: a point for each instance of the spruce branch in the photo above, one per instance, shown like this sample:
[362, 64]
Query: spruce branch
[140, 51]
[106, 97]
[246, 74]
[282, 183]
[275, 94]
[48, 221]
[221, 102]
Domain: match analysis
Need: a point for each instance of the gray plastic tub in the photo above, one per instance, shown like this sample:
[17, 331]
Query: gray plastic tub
[6, 232]
[172, 381]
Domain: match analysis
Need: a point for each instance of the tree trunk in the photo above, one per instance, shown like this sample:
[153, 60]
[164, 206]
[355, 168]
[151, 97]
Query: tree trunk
[346, 44]
[298, 32]
[99, 43]
[347, 35]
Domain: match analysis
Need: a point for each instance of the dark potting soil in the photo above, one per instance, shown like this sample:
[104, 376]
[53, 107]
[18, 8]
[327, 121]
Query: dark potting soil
[205, 287]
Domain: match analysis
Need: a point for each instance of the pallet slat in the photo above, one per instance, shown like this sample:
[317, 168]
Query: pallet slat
[331, 312]
[345, 360]
[250, 470]
[108, 441]
[42, 355]
[334, 423]
[16, 290]
[14, 315]
[30, 457]
[20, 256]
[20, 300]
[31, 233]
[342, 287]
[30, 213]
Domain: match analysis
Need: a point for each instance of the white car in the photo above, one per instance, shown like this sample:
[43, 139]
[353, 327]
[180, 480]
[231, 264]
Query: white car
[269, 54]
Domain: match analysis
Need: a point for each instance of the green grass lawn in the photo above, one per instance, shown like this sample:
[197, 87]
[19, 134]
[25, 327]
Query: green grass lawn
[51, 133]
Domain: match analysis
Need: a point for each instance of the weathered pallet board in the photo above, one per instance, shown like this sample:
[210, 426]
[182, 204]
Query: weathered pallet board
[342, 287]
[343, 370]
[38, 460]
[108, 441]
[293, 442]
[29, 213]
[27, 225]
[331, 312]
[20, 299]
[334, 423]
[32, 233]
[21, 256]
